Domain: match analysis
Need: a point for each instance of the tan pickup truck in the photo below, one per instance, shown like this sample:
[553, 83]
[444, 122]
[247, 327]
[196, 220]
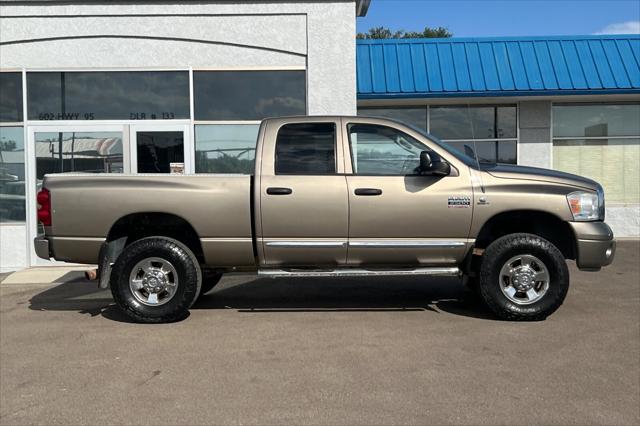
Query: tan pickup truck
[331, 196]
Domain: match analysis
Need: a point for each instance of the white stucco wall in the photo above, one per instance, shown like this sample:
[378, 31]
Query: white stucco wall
[318, 35]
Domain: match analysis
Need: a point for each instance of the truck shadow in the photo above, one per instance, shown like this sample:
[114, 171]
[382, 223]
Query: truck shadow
[250, 294]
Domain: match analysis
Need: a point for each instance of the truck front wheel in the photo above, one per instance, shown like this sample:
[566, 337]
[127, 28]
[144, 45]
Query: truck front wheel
[523, 277]
[155, 280]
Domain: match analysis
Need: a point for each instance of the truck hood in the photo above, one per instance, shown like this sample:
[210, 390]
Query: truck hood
[509, 171]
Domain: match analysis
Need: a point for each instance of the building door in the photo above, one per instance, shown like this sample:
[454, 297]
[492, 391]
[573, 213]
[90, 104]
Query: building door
[69, 148]
[161, 148]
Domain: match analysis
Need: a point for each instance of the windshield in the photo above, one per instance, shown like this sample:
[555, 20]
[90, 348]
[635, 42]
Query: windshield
[467, 156]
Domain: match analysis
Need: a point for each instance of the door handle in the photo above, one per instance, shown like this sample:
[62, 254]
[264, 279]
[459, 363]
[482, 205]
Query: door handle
[368, 191]
[279, 191]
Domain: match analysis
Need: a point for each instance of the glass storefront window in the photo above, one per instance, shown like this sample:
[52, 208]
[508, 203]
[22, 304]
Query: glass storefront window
[468, 122]
[10, 97]
[121, 95]
[12, 175]
[248, 95]
[495, 125]
[601, 142]
[226, 148]
[596, 120]
[416, 116]
[94, 152]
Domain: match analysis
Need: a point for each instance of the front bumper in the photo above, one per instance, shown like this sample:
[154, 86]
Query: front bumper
[41, 245]
[595, 245]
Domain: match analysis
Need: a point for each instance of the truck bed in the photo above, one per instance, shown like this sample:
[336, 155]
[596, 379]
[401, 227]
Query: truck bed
[216, 206]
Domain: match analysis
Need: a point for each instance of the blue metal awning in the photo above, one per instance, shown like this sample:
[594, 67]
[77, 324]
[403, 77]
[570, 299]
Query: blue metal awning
[519, 66]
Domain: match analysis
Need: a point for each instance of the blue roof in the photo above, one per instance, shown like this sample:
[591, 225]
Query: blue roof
[518, 66]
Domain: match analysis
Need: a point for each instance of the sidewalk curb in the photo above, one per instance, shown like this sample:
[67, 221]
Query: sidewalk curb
[44, 275]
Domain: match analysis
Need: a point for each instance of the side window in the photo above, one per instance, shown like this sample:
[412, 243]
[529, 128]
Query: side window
[382, 150]
[306, 149]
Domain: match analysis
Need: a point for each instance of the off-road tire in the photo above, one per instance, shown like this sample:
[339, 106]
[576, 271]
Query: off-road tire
[499, 252]
[209, 280]
[189, 280]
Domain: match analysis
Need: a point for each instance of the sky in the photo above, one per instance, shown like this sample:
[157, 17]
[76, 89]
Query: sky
[486, 18]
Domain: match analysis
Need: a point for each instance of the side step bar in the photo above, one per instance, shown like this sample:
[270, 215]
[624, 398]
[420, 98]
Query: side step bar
[356, 272]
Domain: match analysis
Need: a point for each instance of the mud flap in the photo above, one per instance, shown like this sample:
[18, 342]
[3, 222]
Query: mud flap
[109, 252]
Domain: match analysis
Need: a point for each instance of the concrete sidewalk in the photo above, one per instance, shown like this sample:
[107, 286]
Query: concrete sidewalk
[43, 275]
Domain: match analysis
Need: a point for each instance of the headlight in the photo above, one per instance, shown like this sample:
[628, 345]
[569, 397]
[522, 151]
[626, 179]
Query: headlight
[584, 205]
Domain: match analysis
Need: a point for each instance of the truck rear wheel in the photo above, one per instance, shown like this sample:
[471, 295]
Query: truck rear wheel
[155, 280]
[523, 277]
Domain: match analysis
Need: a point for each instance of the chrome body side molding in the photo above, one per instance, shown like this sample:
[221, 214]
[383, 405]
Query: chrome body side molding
[407, 243]
[357, 272]
[307, 244]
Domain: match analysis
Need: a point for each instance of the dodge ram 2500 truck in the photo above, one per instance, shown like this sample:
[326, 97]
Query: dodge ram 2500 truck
[331, 196]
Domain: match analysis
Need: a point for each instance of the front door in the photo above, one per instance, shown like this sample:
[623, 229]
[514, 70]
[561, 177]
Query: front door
[396, 216]
[303, 196]
[160, 149]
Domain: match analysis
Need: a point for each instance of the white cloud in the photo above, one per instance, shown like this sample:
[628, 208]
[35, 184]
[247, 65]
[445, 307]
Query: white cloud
[630, 27]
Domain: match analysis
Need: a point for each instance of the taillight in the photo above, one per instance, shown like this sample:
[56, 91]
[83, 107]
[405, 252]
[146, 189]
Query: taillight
[44, 207]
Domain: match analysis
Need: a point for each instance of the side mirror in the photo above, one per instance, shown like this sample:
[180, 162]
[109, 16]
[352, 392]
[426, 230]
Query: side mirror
[432, 164]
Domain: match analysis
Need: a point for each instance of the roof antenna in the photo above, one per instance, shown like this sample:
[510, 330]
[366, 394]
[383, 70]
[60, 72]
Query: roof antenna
[475, 148]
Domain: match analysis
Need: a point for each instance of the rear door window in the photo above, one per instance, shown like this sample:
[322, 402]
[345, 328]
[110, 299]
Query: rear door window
[306, 149]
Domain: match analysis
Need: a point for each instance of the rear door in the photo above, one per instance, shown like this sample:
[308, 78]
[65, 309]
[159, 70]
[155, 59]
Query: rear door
[303, 201]
[398, 217]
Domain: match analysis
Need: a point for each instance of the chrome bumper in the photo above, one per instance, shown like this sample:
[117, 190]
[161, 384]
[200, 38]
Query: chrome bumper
[595, 245]
[41, 245]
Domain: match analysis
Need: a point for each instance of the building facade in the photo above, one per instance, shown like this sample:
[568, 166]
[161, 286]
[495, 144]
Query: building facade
[565, 103]
[146, 86]
[160, 87]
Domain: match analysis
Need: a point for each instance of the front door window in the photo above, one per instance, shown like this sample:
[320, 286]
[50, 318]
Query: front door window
[382, 150]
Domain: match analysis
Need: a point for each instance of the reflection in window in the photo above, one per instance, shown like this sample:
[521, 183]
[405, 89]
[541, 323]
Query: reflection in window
[596, 120]
[94, 152]
[473, 122]
[121, 95]
[226, 148]
[416, 116]
[381, 150]
[10, 96]
[306, 149]
[12, 175]
[248, 95]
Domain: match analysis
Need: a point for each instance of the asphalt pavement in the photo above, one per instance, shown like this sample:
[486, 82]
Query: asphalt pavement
[364, 351]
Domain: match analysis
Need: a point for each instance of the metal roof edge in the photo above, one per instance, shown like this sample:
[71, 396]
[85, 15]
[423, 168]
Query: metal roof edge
[513, 93]
[494, 39]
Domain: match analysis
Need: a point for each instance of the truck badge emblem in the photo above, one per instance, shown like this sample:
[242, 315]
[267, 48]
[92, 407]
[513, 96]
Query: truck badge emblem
[459, 202]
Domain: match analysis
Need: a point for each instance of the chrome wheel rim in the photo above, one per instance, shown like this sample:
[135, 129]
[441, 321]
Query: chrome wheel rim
[524, 279]
[153, 281]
